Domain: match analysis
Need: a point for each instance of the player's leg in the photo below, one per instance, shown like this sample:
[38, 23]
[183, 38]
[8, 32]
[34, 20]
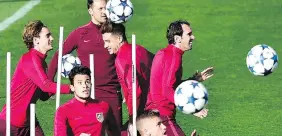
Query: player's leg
[25, 131]
[38, 130]
[20, 131]
[15, 131]
[2, 127]
[124, 133]
[125, 129]
[115, 104]
[172, 128]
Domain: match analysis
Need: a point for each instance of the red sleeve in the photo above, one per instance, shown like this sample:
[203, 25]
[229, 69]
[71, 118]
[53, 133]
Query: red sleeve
[125, 78]
[60, 123]
[35, 71]
[69, 45]
[120, 73]
[171, 65]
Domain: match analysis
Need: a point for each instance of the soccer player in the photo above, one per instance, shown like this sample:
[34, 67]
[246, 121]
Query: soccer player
[149, 123]
[116, 43]
[166, 75]
[30, 82]
[87, 40]
[83, 115]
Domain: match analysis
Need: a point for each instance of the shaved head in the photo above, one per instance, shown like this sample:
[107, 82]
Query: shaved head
[150, 123]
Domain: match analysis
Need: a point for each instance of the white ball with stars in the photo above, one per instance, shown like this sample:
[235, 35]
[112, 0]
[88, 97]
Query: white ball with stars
[68, 63]
[119, 11]
[262, 60]
[190, 97]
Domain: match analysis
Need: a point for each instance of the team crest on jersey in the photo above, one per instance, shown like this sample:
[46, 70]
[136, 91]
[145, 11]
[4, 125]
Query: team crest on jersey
[100, 117]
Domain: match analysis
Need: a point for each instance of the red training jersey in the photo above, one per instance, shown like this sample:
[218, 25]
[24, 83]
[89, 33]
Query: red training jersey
[123, 65]
[29, 83]
[92, 117]
[88, 40]
[166, 74]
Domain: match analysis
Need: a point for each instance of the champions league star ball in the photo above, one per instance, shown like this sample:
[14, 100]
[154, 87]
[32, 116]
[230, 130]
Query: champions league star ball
[68, 62]
[190, 97]
[262, 60]
[119, 11]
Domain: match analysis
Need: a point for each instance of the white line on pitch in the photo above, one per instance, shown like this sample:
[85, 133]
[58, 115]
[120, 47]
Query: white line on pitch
[19, 14]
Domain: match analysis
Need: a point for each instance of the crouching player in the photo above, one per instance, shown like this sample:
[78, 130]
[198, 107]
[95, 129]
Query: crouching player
[166, 75]
[116, 43]
[82, 115]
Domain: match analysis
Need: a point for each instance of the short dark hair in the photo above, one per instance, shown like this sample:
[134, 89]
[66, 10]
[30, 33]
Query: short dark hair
[113, 28]
[82, 70]
[90, 2]
[148, 114]
[175, 28]
[31, 30]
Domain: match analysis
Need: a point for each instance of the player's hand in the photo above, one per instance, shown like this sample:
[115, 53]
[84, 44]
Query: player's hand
[123, 101]
[53, 97]
[194, 133]
[204, 75]
[202, 114]
[84, 134]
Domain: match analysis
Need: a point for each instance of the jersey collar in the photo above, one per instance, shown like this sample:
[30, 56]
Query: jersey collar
[174, 48]
[39, 54]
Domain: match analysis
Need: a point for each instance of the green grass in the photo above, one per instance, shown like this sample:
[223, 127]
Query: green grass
[239, 103]
[8, 8]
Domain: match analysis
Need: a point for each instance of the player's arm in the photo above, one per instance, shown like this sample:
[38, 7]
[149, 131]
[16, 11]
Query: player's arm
[35, 71]
[69, 45]
[60, 123]
[120, 73]
[112, 127]
[128, 80]
[124, 71]
[170, 67]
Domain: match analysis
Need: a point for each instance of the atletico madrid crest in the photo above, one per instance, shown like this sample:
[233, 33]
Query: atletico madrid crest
[100, 117]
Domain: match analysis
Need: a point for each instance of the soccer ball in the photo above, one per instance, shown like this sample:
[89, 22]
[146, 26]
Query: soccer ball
[190, 97]
[262, 60]
[68, 62]
[119, 11]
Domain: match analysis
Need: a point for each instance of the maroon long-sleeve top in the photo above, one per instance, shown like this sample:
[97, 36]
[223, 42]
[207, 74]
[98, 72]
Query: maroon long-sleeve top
[88, 40]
